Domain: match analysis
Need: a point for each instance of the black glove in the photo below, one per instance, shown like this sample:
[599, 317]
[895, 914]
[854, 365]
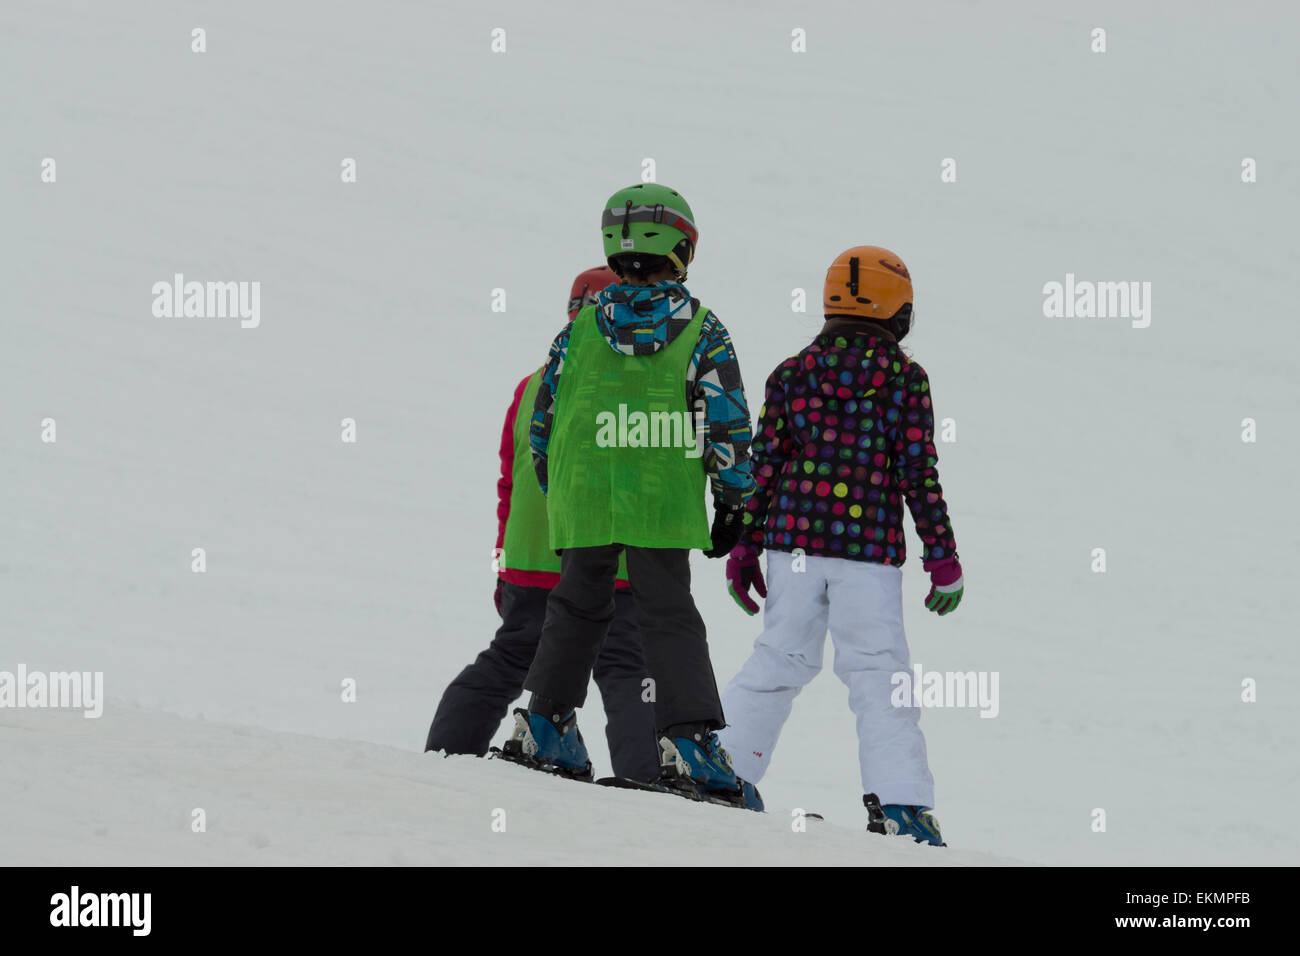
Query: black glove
[728, 526]
[496, 596]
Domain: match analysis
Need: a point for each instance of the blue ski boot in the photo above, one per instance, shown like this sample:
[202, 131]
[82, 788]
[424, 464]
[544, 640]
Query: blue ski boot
[549, 742]
[896, 819]
[692, 758]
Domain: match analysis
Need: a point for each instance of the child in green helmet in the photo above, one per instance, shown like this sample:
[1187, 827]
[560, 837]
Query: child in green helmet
[641, 405]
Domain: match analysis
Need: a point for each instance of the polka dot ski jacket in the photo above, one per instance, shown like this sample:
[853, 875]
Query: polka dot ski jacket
[846, 433]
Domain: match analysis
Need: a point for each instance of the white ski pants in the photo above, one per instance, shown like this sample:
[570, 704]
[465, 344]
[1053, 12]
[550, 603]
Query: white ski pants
[862, 605]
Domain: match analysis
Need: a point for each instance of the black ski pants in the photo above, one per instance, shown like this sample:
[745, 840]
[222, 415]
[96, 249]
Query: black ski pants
[580, 612]
[474, 704]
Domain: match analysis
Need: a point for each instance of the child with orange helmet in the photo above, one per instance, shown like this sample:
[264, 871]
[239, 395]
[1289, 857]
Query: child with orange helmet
[844, 439]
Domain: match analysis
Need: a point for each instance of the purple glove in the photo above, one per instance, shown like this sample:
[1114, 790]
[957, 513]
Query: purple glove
[743, 571]
[946, 585]
[496, 596]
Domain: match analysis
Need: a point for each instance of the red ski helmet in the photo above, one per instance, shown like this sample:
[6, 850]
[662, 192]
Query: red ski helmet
[586, 285]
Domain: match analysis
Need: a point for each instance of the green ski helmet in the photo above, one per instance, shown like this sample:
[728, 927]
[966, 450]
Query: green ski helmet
[652, 220]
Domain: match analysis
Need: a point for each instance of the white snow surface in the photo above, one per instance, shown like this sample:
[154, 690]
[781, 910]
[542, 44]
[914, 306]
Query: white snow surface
[279, 799]
[370, 561]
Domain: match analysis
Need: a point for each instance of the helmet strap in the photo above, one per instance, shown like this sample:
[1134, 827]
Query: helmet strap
[678, 267]
[900, 323]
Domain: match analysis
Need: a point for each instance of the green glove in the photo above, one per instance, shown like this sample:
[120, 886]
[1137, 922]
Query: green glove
[943, 601]
[945, 585]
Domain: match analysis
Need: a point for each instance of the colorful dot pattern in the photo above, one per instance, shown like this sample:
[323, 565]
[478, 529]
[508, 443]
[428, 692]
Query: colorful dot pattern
[845, 435]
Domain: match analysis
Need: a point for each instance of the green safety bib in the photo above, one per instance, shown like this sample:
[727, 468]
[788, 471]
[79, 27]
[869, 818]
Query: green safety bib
[624, 460]
[527, 545]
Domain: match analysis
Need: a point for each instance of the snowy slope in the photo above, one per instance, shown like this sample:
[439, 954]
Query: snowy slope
[370, 561]
[276, 799]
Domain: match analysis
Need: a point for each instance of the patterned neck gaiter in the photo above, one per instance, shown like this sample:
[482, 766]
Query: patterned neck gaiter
[641, 320]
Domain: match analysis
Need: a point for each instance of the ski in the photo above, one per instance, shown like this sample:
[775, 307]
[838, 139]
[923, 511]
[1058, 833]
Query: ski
[516, 756]
[683, 789]
[686, 790]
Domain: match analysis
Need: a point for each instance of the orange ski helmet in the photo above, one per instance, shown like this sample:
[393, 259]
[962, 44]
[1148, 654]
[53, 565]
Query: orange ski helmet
[867, 282]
